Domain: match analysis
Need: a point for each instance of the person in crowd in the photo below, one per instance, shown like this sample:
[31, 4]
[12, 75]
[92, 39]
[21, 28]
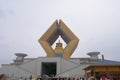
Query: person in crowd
[21, 78]
[31, 77]
[3, 77]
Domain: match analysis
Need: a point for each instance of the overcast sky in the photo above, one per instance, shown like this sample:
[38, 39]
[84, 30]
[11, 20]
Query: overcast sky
[95, 22]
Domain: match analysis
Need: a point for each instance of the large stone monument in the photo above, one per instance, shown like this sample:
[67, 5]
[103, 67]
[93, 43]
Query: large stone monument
[51, 35]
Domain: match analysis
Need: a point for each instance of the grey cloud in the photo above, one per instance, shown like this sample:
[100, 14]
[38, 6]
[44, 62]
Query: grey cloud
[1, 38]
[2, 14]
[10, 12]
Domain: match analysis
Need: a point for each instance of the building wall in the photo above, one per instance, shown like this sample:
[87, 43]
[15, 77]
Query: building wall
[30, 66]
[72, 68]
[65, 67]
[105, 70]
[14, 71]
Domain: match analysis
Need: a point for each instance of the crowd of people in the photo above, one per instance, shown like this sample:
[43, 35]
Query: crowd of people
[4, 77]
[103, 78]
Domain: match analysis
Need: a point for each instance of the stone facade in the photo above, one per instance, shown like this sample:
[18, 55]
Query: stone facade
[72, 67]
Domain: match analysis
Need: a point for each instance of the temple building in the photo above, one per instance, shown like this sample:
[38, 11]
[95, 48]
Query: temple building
[104, 68]
[58, 62]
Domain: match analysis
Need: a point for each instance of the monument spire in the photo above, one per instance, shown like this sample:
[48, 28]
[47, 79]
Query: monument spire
[58, 50]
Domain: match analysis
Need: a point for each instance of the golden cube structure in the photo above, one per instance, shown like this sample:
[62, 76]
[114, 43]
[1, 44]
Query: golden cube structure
[51, 35]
